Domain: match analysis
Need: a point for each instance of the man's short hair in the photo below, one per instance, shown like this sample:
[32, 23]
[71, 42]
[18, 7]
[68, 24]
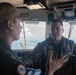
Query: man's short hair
[7, 11]
[57, 20]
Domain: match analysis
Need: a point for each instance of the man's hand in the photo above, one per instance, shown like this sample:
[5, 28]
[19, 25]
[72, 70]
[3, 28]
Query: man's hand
[53, 65]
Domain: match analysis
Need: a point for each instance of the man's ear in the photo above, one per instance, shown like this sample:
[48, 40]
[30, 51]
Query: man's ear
[10, 24]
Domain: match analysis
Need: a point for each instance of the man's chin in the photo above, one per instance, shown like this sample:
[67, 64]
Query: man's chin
[17, 38]
[54, 38]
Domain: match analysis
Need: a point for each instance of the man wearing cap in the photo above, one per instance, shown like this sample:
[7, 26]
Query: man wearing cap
[10, 29]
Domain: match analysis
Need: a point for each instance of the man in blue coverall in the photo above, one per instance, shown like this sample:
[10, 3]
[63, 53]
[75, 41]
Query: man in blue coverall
[59, 45]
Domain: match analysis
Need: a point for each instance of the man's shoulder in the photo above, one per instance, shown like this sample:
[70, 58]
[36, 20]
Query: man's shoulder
[68, 40]
[44, 41]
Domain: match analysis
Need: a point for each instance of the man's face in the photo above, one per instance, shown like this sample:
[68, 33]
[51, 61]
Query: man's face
[16, 29]
[56, 31]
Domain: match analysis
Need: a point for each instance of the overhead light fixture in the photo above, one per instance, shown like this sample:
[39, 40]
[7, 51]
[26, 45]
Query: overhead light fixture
[68, 6]
[33, 6]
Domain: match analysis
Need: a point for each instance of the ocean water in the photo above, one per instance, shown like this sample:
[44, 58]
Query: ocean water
[22, 45]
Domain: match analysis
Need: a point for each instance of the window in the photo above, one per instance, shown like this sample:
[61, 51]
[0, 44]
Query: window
[36, 31]
[32, 33]
[66, 26]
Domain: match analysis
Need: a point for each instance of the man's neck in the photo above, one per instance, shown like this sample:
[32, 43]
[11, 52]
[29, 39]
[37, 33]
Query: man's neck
[57, 41]
[6, 39]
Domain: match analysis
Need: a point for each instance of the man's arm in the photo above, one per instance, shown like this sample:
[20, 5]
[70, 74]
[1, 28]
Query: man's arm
[33, 58]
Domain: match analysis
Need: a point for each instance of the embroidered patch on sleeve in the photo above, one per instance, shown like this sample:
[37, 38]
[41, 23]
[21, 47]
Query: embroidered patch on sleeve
[21, 69]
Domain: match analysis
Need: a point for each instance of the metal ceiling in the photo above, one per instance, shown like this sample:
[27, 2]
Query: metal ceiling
[50, 3]
[46, 3]
[17, 3]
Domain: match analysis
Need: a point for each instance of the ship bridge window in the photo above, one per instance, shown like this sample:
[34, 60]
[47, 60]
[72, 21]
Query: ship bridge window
[69, 30]
[32, 33]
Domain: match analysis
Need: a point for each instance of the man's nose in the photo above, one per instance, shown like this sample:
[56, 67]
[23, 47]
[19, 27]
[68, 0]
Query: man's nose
[55, 30]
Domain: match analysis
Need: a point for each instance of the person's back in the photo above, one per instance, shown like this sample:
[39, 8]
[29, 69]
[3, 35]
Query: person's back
[8, 60]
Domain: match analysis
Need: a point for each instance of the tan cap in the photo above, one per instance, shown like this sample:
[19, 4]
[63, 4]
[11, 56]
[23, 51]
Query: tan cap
[7, 11]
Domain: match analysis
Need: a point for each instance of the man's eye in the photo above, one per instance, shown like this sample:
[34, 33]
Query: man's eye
[57, 28]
